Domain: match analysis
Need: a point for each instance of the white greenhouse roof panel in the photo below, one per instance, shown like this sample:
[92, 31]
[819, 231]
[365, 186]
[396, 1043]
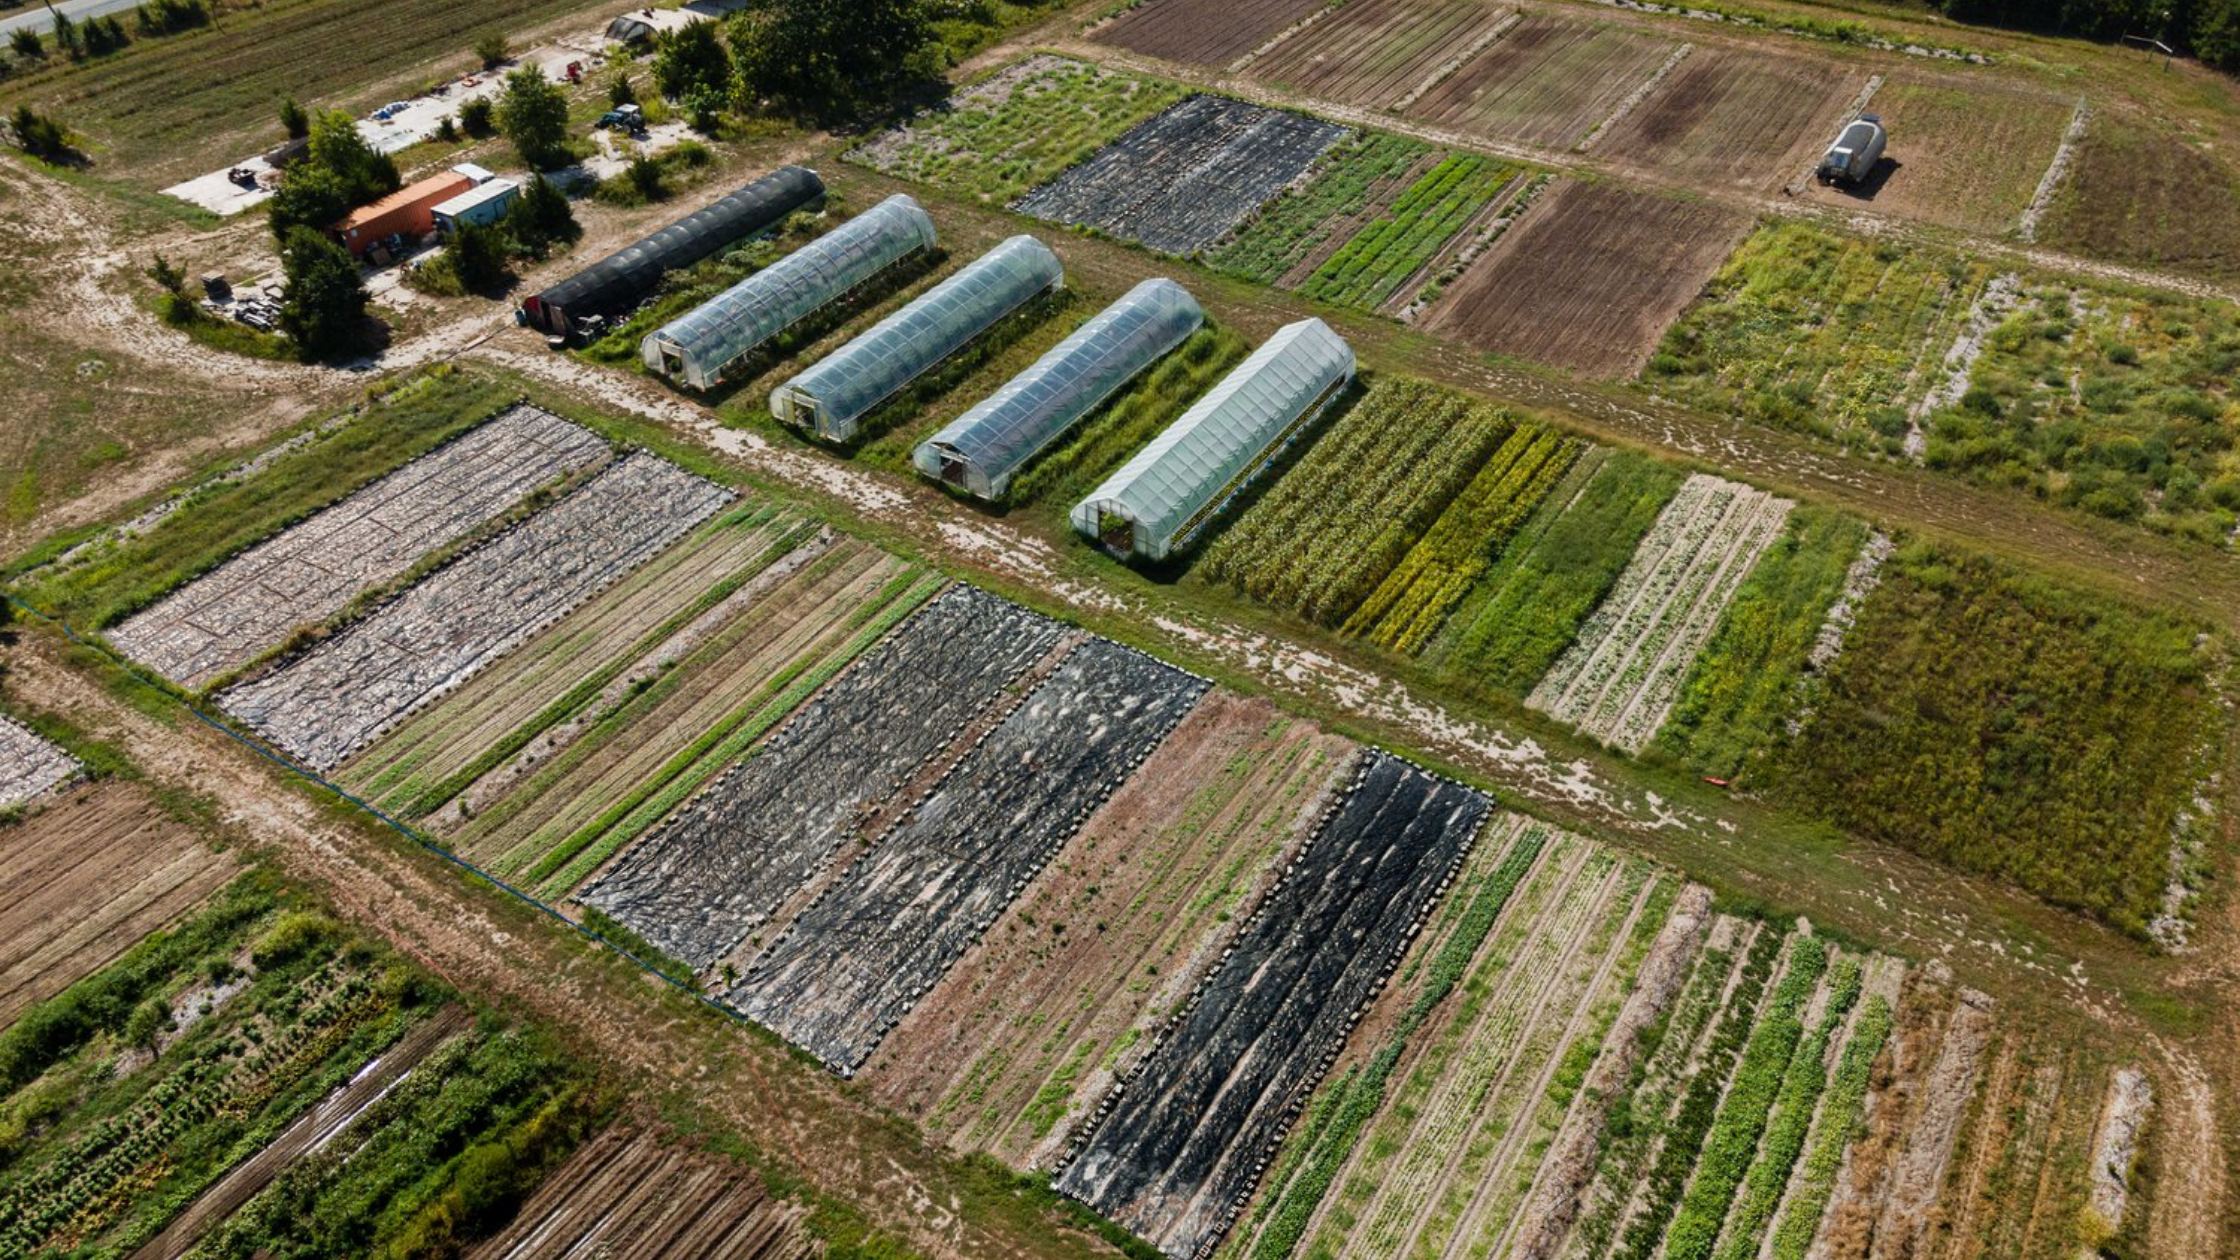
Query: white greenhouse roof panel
[1157, 502]
[698, 347]
[980, 450]
[831, 397]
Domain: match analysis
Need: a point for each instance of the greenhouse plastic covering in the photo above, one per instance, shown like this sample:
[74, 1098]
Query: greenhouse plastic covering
[1165, 491]
[698, 347]
[983, 447]
[617, 282]
[832, 396]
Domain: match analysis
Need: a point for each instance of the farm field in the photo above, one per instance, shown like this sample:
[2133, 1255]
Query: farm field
[709, 876]
[326, 704]
[1022, 126]
[1297, 232]
[860, 956]
[30, 764]
[1735, 119]
[1972, 155]
[1379, 53]
[1833, 335]
[1010, 1049]
[1182, 180]
[1622, 673]
[1588, 278]
[564, 804]
[1549, 81]
[636, 1194]
[89, 875]
[2139, 193]
[1180, 30]
[1173, 1152]
[311, 571]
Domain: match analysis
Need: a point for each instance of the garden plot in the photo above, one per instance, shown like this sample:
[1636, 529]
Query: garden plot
[1588, 278]
[1734, 118]
[1017, 128]
[311, 571]
[88, 877]
[1548, 81]
[863, 954]
[1182, 180]
[634, 1194]
[337, 697]
[30, 766]
[1172, 1153]
[1971, 156]
[650, 618]
[1007, 1053]
[1377, 53]
[1202, 34]
[716, 870]
[2145, 192]
[565, 804]
[1621, 675]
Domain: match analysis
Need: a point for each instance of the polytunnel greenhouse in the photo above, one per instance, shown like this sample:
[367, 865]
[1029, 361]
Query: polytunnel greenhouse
[699, 347]
[832, 396]
[979, 450]
[1158, 501]
[618, 282]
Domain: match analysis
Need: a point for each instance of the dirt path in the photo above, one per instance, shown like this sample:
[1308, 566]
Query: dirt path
[801, 1118]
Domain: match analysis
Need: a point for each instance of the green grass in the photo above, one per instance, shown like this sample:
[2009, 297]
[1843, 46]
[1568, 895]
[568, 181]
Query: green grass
[1063, 473]
[1990, 718]
[1750, 678]
[1528, 607]
[1288, 230]
[1367, 269]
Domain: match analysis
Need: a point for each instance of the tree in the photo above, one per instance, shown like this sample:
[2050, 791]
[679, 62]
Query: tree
[39, 136]
[815, 56]
[339, 147]
[491, 48]
[66, 35]
[692, 59]
[476, 117]
[309, 196]
[621, 91]
[2216, 33]
[167, 276]
[323, 303]
[533, 114]
[478, 257]
[292, 117]
[645, 176]
[26, 43]
[541, 218]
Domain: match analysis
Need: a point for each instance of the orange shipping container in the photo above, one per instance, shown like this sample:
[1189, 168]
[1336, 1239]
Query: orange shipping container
[408, 212]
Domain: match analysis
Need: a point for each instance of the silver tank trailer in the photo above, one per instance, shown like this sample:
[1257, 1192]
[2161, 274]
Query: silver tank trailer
[1856, 150]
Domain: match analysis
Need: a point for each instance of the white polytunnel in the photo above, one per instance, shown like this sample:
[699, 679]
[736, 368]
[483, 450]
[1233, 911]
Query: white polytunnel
[980, 450]
[830, 397]
[700, 346]
[1157, 503]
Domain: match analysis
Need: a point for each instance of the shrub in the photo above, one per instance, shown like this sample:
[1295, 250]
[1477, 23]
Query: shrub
[491, 50]
[478, 117]
[25, 42]
[294, 119]
[541, 217]
[298, 934]
[40, 136]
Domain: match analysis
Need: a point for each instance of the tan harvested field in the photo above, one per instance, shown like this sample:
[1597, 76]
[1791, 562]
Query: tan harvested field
[1378, 53]
[2143, 194]
[1039, 1018]
[1198, 33]
[1735, 118]
[1589, 278]
[88, 877]
[630, 1194]
[1549, 81]
[1962, 152]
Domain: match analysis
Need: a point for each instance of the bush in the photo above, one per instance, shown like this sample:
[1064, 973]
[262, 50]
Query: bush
[541, 218]
[40, 136]
[478, 117]
[299, 934]
[293, 118]
[691, 60]
[492, 50]
[25, 42]
[168, 17]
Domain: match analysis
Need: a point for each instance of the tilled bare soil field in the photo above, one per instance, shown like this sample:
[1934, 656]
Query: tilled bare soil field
[88, 877]
[1590, 277]
[1548, 81]
[29, 765]
[859, 958]
[1182, 180]
[1204, 34]
[1065, 991]
[1176, 1148]
[326, 704]
[1735, 118]
[309, 572]
[630, 1194]
[1968, 154]
[700, 883]
[1376, 53]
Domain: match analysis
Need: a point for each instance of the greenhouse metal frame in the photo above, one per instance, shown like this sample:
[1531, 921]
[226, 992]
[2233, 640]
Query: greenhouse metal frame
[834, 395]
[1158, 501]
[622, 279]
[980, 450]
[699, 347]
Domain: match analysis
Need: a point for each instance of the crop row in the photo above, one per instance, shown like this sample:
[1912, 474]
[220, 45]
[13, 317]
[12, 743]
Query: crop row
[1414, 599]
[1368, 269]
[1839, 1123]
[1329, 532]
[1293, 227]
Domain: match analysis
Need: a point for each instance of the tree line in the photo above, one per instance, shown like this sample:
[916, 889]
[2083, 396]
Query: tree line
[2208, 29]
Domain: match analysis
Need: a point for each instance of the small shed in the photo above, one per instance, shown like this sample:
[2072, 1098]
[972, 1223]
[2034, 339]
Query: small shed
[408, 212]
[483, 204]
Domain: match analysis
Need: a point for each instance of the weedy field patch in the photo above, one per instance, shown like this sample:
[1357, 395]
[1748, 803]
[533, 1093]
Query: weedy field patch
[1548, 81]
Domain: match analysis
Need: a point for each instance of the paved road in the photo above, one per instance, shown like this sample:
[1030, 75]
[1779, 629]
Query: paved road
[39, 18]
